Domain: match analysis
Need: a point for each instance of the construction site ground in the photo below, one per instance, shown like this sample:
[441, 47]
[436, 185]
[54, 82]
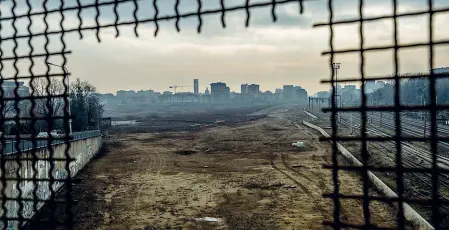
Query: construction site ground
[245, 174]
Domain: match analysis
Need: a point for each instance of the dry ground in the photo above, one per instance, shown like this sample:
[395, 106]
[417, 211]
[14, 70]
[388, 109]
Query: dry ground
[248, 175]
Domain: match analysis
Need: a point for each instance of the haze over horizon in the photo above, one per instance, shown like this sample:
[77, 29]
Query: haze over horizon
[266, 53]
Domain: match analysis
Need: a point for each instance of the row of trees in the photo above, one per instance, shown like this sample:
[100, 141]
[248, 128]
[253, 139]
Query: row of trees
[49, 101]
[413, 91]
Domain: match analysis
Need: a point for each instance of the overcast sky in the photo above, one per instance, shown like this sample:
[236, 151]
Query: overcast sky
[267, 53]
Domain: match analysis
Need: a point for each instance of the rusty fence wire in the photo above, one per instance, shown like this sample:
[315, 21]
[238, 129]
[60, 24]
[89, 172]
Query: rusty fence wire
[435, 201]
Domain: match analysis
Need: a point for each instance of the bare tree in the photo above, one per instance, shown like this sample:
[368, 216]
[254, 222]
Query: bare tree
[52, 90]
[7, 106]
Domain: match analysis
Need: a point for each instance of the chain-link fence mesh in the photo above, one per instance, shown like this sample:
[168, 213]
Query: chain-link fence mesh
[37, 158]
[34, 167]
[433, 170]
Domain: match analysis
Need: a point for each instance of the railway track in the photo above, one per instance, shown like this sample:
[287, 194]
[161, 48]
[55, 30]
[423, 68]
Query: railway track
[412, 156]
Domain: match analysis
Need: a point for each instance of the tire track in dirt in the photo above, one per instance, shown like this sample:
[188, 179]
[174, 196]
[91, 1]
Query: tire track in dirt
[152, 165]
[316, 204]
[321, 184]
[273, 157]
[325, 152]
[287, 166]
[274, 166]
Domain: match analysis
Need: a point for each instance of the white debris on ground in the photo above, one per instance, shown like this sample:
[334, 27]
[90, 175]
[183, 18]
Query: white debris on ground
[209, 219]
[298, 144]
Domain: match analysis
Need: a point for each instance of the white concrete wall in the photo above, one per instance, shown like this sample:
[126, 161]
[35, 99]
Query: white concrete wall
[81, 150]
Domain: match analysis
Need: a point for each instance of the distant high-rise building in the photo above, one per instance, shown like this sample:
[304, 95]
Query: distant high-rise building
[253, 89]
[244, 89]
[300, 94]
[207, 92]
[219, 92]
[288, 92]
[249, 89]
[195, 86]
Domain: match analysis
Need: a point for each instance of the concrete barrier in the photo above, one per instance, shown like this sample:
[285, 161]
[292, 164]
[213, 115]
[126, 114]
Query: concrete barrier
[311, 115]
[82, 150]
[409, 213]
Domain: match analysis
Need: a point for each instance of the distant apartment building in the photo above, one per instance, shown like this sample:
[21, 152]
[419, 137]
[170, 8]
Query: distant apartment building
[291, 93]
[196, 89]
[300, 94]
[145, 93]
[269, 96]
[278, 95]
[372, 85]
[288, 93]
[244, 88]
[249, 89]
[106, 97]
[253, 89]
[323, 94]
[9, 88]
[122, 94]
[349, 93]
[219, 92]
[441, 70]
[179, 98]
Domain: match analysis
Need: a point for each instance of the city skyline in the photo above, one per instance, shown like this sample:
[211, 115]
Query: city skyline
[271, 54]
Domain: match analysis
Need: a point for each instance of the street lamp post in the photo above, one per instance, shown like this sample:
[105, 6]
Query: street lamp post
[70, 100]
[336, 67]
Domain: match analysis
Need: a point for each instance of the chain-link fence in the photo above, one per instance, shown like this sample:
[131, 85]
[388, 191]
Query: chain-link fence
[401, 167]
[45, 105]
[33, 166]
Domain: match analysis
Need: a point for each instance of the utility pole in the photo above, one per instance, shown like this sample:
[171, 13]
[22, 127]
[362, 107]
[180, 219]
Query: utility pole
[66, 73]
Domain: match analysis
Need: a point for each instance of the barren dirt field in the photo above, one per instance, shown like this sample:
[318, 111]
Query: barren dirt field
[246, 175]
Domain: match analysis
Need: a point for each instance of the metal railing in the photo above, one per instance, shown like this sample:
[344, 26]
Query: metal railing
[26, 145]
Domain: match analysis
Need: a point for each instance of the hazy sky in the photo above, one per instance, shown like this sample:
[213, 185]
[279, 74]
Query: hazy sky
[267, 53]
